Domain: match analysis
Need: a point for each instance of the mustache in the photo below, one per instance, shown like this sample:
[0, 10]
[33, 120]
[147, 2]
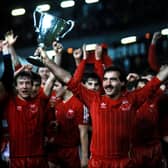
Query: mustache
[109, 86]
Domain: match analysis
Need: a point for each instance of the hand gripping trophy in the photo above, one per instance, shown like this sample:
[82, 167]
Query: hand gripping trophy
[49, 28]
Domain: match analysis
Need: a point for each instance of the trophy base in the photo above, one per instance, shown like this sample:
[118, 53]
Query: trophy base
[35, 60]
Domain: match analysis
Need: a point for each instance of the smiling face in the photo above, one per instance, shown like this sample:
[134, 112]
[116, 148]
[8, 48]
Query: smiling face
[24, 87]
[112, 84]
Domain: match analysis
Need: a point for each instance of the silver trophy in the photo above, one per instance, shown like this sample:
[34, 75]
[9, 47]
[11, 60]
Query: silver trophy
[49, 28]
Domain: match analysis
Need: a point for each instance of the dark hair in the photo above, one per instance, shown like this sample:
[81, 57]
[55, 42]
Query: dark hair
[61, 82]
[36, 77]
[90, 75]
[141, 80]
[122, 76]
[23, 74]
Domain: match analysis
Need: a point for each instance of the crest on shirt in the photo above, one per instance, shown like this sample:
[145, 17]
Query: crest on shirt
[70, 113]
[103, 105]
[152, 107]
[19, 108]
[52, 99]
[125, 105]
[33, 108]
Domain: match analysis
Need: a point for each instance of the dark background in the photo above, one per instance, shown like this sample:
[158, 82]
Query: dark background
[105, 17]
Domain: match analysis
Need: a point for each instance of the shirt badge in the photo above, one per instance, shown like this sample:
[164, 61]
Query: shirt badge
[70, 113]
[19, 108]
[33, 108]
[103, 105]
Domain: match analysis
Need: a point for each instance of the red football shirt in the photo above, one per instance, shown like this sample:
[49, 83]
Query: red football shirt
[152, 58]
[69, 115]
[147, 121]
[112, 119]
[26, 125]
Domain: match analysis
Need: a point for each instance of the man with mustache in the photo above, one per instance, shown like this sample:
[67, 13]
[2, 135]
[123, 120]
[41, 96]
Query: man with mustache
[112, 113]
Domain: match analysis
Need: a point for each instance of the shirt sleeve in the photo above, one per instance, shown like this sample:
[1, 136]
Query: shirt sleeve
[99, 69]
[79, 71]
[148, 91]
[107, 61]
[152, 58]
[84, 94]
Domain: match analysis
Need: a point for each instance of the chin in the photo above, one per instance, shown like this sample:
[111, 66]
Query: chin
[25, 96]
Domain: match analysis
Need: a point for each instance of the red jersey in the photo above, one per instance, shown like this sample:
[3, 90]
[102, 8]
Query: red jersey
[69, 115]
[106, 60]
[146, 126]
[112, 119]
[146, 138]
[26, 125]
[152, 59]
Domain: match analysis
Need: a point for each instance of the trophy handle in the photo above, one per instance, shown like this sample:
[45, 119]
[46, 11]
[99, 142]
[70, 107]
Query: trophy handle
[37, 28]
[71, 23]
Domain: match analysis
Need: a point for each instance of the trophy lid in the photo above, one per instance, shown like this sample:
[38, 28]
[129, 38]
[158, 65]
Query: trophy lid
[35, 60]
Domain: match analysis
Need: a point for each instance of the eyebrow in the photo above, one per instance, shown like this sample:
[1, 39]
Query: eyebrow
[112, 78]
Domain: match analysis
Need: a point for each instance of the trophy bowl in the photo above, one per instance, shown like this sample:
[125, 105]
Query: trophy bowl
[49, 29]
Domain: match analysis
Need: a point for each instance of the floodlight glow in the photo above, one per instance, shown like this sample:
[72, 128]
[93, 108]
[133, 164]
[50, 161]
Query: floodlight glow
[67, 4]
[91, 1]
[44, 7]
[127, 40]
[18, 12]
[164, 31]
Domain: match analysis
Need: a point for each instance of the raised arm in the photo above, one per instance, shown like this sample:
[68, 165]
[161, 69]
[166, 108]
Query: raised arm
[77, 54]
[6, 81]
[163, 73]
[98, 65]
[50, 81]
[11, 40]
[58, 48]
[60, 73]
[152, 57]
[49, 85]
[81, 66]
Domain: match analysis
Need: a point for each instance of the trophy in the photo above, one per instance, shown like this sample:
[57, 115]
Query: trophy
[49, 28]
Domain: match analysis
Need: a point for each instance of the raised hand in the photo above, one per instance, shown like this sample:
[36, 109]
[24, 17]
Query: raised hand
[57, 47]
[77, 53]
[98, 52]
[85, 55]
[156, 36]
[10, 38]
